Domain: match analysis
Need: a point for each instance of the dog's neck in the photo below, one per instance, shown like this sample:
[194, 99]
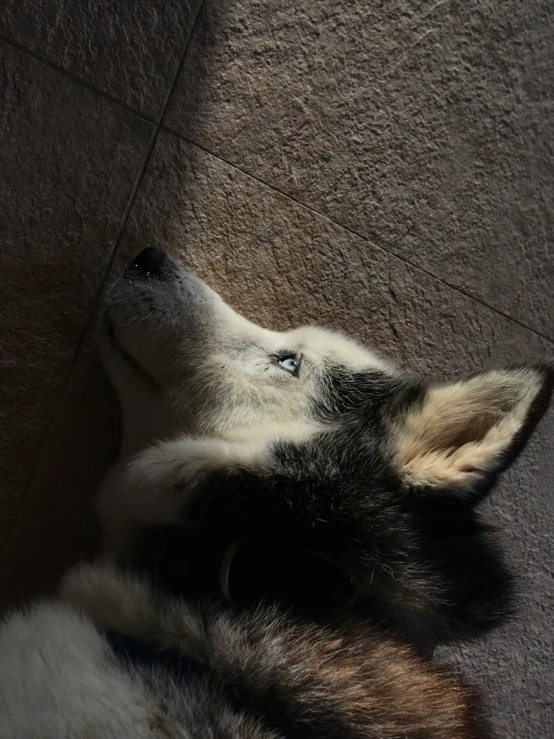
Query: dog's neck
[195, 563]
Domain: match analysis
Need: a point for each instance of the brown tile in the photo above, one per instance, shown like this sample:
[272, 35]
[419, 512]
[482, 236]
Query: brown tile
[130, 50]
[514, 664]
[426, 127]
[281, 264]
[57, 525]
[69, 160]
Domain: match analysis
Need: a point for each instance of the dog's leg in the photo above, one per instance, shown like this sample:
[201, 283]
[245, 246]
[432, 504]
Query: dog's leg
[156, 485]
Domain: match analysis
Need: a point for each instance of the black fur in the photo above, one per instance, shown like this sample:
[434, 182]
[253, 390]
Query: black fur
[426, 566]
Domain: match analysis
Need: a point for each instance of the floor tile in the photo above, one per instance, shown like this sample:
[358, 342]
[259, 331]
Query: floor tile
[426, 127]
[282, 265]
[57, 525]
[130, 50]
[68, 163]
[515, 663]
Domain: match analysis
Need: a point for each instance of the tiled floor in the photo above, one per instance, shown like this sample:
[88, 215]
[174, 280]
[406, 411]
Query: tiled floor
[385, 168]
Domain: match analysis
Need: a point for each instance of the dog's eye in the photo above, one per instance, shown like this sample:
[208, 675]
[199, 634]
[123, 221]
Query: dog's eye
[290, 364]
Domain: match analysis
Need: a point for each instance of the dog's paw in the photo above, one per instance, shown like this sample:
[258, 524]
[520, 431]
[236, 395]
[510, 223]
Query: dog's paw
[182, 462]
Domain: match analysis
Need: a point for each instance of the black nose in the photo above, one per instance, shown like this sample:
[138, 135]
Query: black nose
[151, 262]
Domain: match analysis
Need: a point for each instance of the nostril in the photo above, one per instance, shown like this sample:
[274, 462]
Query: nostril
[149, 263]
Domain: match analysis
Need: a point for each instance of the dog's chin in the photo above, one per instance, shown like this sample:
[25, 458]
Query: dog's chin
[111, 346]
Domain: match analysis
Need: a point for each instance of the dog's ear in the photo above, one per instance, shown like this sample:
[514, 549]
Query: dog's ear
[458, 437]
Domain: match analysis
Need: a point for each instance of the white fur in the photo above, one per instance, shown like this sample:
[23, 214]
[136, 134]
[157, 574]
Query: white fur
[58, 681]
[212, 398]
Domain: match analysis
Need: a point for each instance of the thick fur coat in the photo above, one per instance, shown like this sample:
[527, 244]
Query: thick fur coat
[292, 521]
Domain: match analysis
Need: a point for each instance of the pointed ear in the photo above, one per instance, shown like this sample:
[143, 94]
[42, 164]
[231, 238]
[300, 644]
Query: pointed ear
[460, 436]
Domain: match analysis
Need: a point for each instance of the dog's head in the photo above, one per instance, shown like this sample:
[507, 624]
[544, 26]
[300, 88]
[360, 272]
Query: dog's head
[215, 373]
[306, 437]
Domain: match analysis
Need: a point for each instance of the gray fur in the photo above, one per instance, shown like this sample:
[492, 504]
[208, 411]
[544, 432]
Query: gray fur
[301, 439]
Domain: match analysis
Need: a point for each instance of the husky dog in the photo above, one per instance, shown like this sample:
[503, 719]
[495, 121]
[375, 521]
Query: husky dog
[290, 529]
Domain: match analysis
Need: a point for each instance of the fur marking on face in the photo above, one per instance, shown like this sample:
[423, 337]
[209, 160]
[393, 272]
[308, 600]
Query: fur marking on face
[307, 437]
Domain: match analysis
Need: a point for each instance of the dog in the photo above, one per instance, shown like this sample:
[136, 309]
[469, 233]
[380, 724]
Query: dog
[291, 528]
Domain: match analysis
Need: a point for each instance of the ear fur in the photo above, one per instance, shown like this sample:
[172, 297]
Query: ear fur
[461, 435]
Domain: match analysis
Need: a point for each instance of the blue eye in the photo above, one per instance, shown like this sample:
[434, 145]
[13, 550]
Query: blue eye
[290, 364]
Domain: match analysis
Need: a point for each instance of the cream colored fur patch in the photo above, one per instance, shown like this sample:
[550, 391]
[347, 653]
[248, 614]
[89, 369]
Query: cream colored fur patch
[462, 429]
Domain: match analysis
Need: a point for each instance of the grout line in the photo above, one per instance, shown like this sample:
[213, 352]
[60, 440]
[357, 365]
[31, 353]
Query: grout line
[159, 125]
[134, 192]
[351, 231]
[115, 244]
[76, 79]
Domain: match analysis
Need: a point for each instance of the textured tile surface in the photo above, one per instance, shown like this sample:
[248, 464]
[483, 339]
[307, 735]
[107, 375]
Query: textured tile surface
[515, 664]
[426, 127]
[68, 162]
[57, 525]
[283, 265]
[130, 50]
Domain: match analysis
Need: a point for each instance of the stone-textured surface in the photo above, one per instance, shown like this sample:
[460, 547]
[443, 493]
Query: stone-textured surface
[57, 525]
[68, 162]
[422, 126]
[282, 265]
[427, 127]
[514, 665]
[130, 50]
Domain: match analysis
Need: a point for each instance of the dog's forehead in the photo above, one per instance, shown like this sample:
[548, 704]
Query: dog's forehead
[335, 348]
